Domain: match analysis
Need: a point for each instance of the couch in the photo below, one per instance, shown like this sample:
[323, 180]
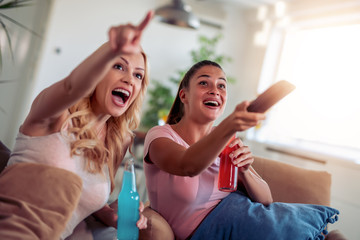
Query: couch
[287, 183]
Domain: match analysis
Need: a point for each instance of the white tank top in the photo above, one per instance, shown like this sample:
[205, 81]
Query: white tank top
[54, 150]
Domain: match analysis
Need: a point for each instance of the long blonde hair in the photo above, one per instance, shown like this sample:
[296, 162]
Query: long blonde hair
[119, 129]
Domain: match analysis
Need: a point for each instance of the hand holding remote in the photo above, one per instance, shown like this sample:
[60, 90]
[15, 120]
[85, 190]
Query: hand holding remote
[271, 96]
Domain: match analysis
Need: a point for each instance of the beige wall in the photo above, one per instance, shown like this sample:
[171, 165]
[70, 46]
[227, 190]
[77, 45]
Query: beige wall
[76, 28]
[14, 94]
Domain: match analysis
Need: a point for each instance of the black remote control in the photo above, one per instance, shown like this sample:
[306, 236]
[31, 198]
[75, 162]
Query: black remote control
[271, 96]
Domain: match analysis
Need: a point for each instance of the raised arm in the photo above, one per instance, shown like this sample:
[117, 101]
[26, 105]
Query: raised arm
[178, 160]
[50, 105]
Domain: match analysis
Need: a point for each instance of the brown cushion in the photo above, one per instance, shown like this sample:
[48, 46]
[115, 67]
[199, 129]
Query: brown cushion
[36, 201]
[157, 227]
[293, 184]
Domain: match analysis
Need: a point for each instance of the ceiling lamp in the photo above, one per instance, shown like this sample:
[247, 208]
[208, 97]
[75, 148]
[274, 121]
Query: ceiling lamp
[179, 14]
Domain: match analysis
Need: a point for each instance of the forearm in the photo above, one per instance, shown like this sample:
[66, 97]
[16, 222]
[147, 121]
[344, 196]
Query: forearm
[257, 189]
[80, 83]
[200, 155]
[84, 78]
[210, 146]
[193, 160]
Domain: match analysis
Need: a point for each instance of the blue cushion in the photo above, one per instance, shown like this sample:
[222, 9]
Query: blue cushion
[237, 217]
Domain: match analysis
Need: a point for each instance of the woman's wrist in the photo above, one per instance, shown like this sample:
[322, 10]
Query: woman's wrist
[225, 129]
[244, 174]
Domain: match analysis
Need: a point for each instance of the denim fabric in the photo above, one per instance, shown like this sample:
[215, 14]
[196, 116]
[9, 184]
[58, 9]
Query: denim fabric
[237, 217]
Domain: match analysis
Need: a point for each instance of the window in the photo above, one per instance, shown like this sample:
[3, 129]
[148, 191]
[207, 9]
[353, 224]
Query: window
[323, 113]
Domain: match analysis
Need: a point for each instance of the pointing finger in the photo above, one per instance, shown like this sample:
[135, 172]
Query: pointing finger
[146, 20]
[112, 39]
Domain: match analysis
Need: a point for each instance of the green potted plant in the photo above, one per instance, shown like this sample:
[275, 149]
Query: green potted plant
[5, 18]
[9, 28]
[6, 22]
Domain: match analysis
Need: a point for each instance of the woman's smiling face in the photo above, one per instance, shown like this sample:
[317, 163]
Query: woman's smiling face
[120, 86]
[206, 95]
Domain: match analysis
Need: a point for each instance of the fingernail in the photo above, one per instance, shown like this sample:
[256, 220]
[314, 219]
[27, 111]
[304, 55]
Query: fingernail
[231, 155]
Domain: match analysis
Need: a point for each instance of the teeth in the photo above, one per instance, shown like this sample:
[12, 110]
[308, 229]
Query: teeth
[127, 93]
[212, 102]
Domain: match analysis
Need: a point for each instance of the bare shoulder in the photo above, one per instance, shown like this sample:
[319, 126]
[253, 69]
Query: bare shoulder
[163, 149]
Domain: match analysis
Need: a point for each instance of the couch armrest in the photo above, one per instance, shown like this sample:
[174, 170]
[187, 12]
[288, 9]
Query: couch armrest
[30, 209]
[294, 184]
[4, 156]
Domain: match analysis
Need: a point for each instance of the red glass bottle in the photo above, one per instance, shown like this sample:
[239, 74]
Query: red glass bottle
[228, 172]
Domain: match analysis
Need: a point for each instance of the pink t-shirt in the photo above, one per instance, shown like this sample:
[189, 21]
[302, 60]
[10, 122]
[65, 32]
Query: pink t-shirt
[183, 201]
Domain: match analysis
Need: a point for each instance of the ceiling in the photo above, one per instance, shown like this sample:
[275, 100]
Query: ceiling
[246, 3]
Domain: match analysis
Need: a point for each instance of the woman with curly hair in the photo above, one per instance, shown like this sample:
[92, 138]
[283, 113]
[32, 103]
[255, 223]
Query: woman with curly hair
[85, 122]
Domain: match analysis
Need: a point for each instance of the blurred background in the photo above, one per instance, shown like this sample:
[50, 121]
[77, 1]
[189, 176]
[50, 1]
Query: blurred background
[313, 44]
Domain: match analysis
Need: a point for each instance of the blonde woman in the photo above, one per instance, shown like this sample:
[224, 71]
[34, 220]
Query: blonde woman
[84, 122]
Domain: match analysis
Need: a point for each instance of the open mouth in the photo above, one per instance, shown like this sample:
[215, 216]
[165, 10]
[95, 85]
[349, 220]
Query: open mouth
[121, 95]
[212, 103]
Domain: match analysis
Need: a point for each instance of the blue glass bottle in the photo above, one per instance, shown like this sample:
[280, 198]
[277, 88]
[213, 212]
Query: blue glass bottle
[128, 205]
